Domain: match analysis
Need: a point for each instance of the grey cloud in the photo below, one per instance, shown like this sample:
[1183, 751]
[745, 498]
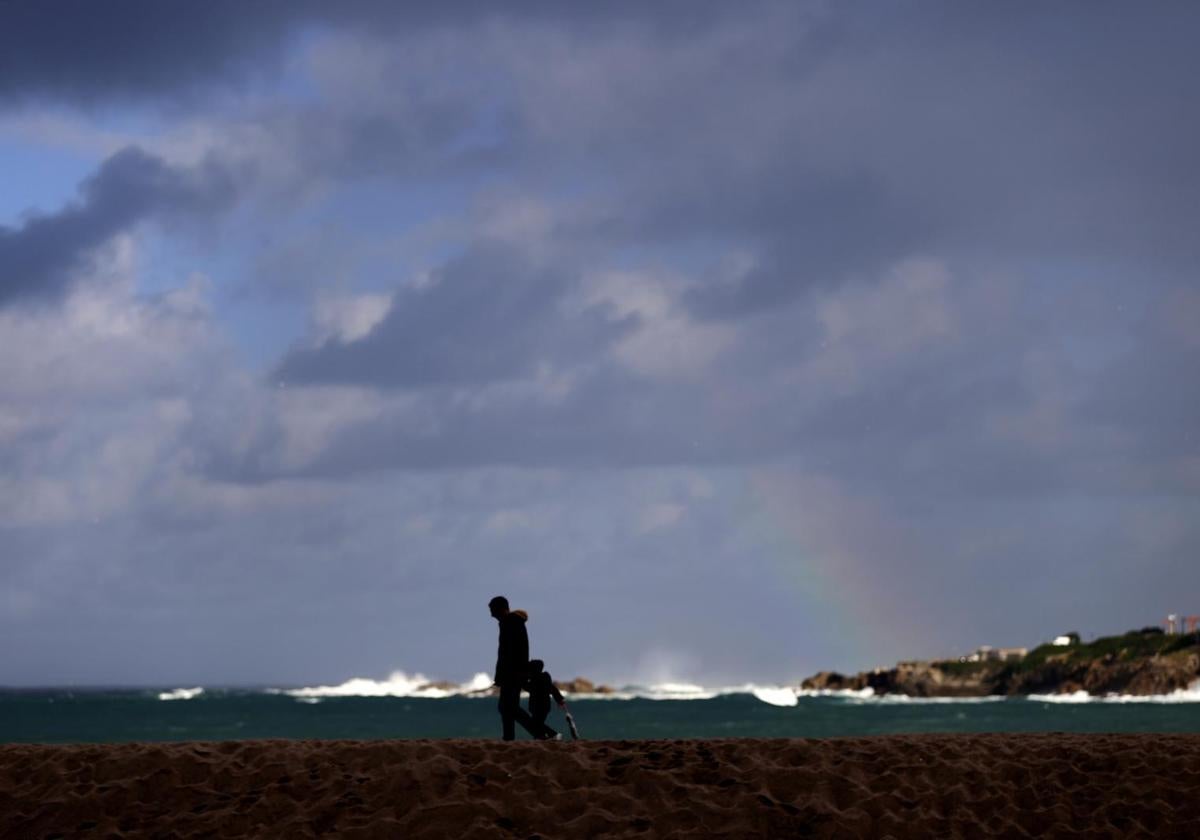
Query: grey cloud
[996, 408]
[1152, 388]
[36, 259]
[137, 50]
[487, 315]
[1042, 435]
[934, 130]
[81, 52]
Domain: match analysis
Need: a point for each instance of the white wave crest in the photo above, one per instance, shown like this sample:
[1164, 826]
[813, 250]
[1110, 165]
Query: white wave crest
[1191, 694]
[671, 691]
[398, 684]
[868, 695]
[181, 693]
[840, 693]
[771, 694]
[904, 698]
[775, 696]
[402, 684]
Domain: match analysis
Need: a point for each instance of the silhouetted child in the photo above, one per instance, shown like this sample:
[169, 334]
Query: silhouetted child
[541, 688]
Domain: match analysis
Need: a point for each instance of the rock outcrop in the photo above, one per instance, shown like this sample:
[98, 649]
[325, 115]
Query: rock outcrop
[579, 685]
[1138, 663]
[1149, 675]
[914, 679]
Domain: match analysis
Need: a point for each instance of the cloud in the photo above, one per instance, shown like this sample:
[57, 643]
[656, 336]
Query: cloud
[99, 393]
[660, 516]
[817, 318]
[488, 315]
[133, 49]
[666, 342]
[38, 258]
[348, 318]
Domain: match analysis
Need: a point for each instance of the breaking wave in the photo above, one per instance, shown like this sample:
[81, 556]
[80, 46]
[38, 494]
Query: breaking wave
[403, 684]
[181, 693]
[1191, 694]
[868, 695]
[398, 684]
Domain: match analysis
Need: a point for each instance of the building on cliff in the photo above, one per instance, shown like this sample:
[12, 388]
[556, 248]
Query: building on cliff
[1178, 623]
[987, 653]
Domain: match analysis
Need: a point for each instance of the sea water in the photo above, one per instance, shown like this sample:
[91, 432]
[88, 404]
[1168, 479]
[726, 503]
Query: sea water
[200, 713]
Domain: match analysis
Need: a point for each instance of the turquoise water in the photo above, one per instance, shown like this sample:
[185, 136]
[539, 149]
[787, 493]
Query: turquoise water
[57, 716]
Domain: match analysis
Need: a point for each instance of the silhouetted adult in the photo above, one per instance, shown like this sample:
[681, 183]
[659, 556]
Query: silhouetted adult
[512, 665]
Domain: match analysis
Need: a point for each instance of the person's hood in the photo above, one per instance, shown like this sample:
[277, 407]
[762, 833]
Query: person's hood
[521, 614]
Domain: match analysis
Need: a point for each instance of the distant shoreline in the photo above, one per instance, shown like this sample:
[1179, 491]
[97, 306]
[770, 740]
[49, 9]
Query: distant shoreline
[1143, 662]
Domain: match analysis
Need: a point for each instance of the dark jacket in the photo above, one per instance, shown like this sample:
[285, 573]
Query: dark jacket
[541, 688]
[512, 657]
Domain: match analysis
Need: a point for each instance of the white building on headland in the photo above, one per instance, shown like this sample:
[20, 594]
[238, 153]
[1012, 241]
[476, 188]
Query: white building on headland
[1178, 623]
[987, 653]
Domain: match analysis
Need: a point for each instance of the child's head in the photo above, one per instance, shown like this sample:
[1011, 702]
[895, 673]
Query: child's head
[536, 666]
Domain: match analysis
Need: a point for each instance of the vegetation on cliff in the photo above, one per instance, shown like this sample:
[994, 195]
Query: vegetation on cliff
[1139, 662]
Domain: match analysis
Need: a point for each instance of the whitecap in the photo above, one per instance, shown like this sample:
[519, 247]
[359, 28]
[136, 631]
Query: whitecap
[1191, 694]
[839, 693]
[397, 684]
[776, 696]
[904, 698]
[868, 696]
[181, 693]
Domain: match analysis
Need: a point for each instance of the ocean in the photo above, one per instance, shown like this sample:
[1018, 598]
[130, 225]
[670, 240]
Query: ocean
[107, 715]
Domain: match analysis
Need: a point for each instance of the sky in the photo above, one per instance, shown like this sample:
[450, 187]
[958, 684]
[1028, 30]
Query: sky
[732, 342]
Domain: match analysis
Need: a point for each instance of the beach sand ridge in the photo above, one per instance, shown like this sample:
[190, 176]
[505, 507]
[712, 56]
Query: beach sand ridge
[1035, 785]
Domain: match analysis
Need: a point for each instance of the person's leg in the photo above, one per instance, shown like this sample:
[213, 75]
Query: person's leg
[548, 732]
[539, 713]
[510, 699]
[523, 717]
[511, 711]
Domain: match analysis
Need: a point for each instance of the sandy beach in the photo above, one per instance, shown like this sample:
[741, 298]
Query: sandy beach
[898, 786]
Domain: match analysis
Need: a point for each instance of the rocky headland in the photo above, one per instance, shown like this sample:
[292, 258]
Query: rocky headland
[579, 685]
[1141, 662]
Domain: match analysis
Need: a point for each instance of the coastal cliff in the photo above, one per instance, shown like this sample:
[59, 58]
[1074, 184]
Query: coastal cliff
[1141, 662]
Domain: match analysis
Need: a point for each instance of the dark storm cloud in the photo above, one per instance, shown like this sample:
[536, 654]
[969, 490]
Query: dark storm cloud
[828, 147]
[36, 258]
[932, 437]
[89, 53]
[128, 50]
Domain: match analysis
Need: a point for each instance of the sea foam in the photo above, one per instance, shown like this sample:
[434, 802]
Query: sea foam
[1191, 694]
[181, 693]
[403, 684]
[398, 684]
[771, 694]
[868, 696]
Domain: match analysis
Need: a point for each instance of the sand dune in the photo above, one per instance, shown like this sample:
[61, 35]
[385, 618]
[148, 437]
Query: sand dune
[900, 786]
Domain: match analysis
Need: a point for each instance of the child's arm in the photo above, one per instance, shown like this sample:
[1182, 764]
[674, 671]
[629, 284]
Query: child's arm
[558, 698]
